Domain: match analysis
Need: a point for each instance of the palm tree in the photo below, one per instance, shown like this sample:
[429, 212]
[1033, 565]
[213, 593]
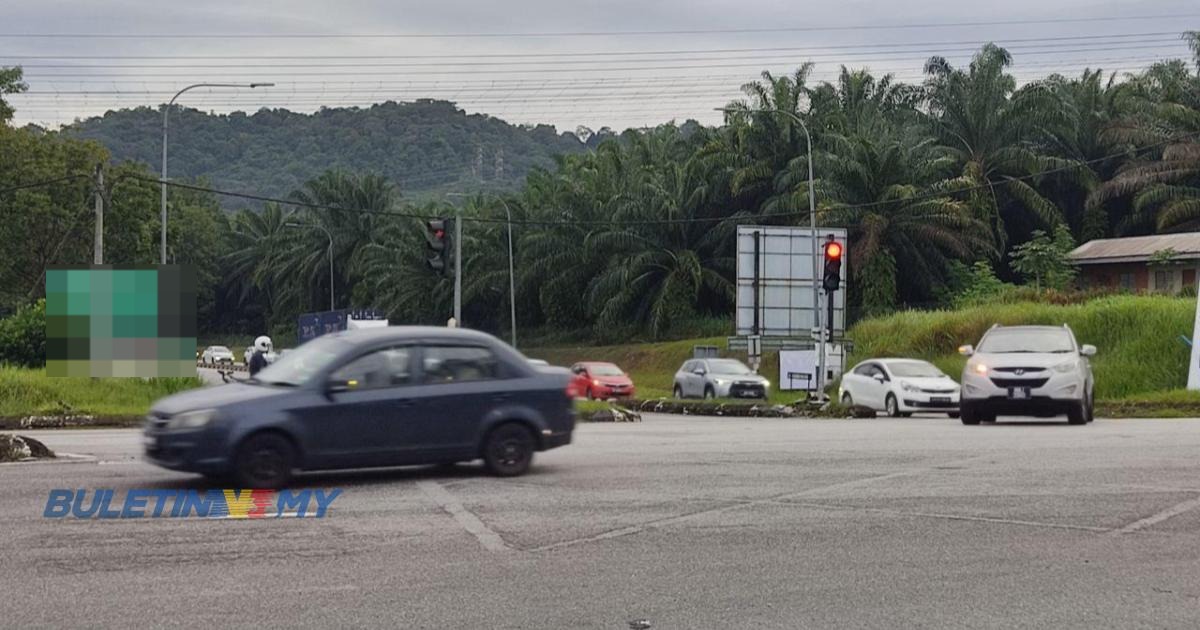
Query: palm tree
[1091, 103]
[658, 274]
[255, 249]
[352, 208]
[891, 190]
[1165, 120]
[992, 131]
[763, 135]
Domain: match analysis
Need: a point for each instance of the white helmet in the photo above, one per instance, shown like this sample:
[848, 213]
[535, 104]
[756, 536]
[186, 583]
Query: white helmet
[263, 344]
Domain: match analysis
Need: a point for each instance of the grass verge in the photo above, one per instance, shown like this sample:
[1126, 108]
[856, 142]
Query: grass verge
[30, 392]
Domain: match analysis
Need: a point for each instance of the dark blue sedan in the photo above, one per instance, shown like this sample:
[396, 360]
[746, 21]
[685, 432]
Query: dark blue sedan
[364, 398]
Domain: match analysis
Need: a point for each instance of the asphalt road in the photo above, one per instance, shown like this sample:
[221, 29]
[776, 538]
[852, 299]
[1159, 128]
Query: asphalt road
[683, 522]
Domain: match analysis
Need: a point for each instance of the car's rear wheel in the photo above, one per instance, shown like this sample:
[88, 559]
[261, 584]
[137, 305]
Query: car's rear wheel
[508, 450]
[1091, 408]
[265, 460]
[590, 395]
[891, 406]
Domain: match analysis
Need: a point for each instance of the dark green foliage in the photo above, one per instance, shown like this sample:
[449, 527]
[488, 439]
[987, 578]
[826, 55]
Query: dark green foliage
[23, 336]
[424, 147]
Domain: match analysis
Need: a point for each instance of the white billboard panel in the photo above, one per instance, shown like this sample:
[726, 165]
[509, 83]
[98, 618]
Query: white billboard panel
[779, 289]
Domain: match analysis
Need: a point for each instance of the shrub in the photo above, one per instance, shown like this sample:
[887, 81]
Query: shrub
[23, 336]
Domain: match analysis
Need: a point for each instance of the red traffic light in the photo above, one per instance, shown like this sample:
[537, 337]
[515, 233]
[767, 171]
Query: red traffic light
[439, 234]
[833, 250]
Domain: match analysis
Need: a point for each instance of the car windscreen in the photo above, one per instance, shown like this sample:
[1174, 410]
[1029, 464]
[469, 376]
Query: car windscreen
[727, 366]
[299, 365]
[605, 369]
[914, 369]
[220, 349]
[1006, 341]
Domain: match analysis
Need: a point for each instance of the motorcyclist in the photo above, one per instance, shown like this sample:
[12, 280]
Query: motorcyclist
[258, 360]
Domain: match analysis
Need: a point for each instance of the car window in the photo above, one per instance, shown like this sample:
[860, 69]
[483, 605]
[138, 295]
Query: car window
[688, 366]
[1013, 340]
[388, 367]
[863, 370]
[915, 369]
[877, 371]
[728, 366]
[605, 369]
[457, 364]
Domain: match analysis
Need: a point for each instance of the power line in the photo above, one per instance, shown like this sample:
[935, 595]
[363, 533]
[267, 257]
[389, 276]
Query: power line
[714, 31]
[48, 182]
[1006, 42]
[1047, 49]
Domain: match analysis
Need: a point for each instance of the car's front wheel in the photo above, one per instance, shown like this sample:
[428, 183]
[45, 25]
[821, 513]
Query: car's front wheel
[969, 416]
[265, 460]
[678, 393]
[508, 450]
[892, 406]
[1078, 414]
[709, 394]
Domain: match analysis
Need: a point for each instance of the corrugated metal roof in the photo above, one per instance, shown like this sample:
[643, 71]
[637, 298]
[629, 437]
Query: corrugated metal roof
[1136, 248]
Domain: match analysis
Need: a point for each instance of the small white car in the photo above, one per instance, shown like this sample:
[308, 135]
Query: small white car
[899, 387]
[1029, 371]
[213, 355]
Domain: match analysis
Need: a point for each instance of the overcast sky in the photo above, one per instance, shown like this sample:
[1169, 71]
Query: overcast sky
[469, 52]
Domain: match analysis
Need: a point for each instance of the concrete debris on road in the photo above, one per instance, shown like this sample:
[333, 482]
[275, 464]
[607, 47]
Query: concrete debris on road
[15, 448]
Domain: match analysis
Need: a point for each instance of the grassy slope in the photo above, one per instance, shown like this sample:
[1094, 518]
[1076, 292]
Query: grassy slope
[1140, 353]
[24, 391]
[1137, 336]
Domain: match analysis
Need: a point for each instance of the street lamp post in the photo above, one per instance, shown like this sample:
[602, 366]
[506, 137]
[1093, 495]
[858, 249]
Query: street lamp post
[322, 228]
[512, 283]
[812, 223]
[166, 111]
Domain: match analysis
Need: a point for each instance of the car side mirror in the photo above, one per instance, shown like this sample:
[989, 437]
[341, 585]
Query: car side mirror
[335, 386]
[879, 377]
[1088, 350]
[966, 350]
[699, 372]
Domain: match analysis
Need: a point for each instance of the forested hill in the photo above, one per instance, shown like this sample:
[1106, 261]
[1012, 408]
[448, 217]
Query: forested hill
[427, 147]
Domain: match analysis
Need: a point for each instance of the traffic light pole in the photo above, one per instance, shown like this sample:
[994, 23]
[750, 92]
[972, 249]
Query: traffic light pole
[458, 268]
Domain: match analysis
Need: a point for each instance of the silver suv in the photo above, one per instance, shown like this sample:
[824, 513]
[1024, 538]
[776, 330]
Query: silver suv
[1029, 371]
[719, 378]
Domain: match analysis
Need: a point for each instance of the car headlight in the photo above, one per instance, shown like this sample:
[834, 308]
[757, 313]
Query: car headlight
[766, 383]
[193, 419]
[1065, 368]
[720, 381]
[979, 369]
[909, 387]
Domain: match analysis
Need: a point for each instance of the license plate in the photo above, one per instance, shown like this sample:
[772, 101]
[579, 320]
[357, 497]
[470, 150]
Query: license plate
[941, 400]
[1018, 393]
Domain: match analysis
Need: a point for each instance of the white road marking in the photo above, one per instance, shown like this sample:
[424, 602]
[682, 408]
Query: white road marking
[486, 537]
[1154, 519]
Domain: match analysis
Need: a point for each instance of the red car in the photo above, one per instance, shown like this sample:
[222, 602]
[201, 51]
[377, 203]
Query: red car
[601, 380]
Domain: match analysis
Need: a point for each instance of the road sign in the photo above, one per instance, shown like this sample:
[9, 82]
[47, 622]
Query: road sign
[776, 287]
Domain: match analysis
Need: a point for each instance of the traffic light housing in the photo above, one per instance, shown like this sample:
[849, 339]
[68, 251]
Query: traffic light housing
[833, 266]
[439, 241]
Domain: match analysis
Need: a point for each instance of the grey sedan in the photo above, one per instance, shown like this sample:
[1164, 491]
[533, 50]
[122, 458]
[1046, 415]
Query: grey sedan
[373, 397]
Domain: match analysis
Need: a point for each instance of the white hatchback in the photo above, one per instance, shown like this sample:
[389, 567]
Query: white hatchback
[899, 387]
